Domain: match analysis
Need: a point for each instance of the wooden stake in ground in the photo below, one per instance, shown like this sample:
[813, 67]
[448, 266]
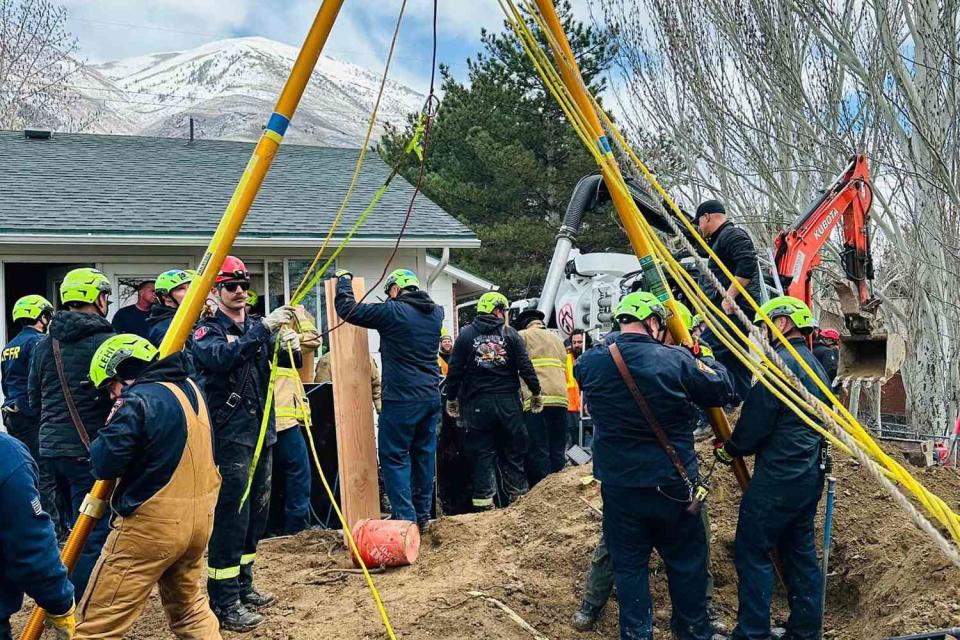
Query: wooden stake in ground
[353, 412]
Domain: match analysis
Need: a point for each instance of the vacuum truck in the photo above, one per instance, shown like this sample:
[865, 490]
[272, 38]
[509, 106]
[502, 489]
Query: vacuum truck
[582, 289]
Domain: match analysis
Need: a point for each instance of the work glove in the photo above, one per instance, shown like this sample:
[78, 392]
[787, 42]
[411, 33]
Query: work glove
[378, 405]
[289, 340]
[336, 274]
[64, 625]
[453, 408]
[536, 403]
[279, 317]
[721, 454]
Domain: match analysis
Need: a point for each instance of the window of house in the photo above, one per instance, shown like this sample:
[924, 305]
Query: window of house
[276, 280]
[315, 302]
[257, 280]
[275, 285]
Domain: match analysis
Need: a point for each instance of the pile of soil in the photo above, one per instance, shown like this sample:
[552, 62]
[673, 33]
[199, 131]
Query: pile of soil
[885, 577]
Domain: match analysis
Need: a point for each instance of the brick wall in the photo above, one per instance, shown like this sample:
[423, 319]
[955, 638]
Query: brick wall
[893, 397]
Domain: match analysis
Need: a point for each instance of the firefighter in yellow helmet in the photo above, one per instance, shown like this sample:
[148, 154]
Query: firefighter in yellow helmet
[71, 411]
[779, 506]
[158, 441]
[409, 324]
[31, 314]
[445, 351]
[489, 359]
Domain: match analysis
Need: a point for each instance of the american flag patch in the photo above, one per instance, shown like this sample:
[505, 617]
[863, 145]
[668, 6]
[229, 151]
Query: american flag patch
[113, 410]
[37, 507]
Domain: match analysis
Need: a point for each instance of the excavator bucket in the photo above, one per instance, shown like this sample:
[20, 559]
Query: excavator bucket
[876, 356]
[866, 354]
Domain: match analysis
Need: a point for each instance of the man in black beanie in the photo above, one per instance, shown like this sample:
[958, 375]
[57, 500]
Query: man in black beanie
[734, 247]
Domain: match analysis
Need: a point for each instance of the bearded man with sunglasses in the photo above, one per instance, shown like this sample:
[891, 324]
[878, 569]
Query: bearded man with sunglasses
[232, 352]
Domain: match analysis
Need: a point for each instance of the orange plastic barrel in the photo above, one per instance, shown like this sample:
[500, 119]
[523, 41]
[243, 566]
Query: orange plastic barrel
[387, 543]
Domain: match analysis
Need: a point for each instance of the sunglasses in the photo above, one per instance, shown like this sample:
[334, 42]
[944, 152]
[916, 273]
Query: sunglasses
[232, 286]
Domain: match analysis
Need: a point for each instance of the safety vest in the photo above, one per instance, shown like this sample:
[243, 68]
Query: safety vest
[289, 401]
[444, 367]
[290, 405]
[573, 389]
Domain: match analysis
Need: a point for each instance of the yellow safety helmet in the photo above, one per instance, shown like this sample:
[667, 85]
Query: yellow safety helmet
[84, 285]
[121, 356]
[31, 307]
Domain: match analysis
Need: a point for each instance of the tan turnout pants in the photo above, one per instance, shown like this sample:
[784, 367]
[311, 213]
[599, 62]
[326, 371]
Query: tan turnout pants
[162, 543]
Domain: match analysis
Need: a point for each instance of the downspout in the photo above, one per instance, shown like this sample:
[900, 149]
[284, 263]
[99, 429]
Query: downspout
[444, 261]
[584, 196]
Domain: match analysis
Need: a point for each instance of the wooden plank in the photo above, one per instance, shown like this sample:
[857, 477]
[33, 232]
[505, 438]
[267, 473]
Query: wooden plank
[353, 402]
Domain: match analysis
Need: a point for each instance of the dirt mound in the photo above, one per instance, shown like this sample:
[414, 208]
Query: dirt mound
[886, 578]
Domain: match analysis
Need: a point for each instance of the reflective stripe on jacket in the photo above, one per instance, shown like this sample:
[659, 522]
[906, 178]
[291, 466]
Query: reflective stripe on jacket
[547, 354]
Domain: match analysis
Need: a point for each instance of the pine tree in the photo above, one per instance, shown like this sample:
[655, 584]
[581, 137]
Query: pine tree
[504, 160]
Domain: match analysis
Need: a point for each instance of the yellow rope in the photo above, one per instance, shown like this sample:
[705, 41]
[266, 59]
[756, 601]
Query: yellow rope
[769, 373]
[361, 157]
[302, 394]
[936, 506]
[303, 288]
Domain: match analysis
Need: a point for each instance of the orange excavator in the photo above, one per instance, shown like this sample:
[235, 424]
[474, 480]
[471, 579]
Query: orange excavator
[866, 353]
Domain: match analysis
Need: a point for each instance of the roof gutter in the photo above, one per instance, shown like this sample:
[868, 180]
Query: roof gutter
[202, 241]
[441, 265]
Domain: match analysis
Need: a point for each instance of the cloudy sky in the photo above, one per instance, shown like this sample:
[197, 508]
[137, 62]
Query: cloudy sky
[113, 29]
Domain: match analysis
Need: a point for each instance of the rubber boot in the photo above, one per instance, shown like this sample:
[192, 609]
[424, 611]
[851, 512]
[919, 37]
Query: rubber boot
[256, 600]
[238, 618]
[586, 617]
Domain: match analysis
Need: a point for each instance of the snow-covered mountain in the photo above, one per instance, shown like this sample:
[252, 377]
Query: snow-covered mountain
[230, 87]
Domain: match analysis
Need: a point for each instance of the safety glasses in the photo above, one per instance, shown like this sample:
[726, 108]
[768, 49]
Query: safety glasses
[233, 286]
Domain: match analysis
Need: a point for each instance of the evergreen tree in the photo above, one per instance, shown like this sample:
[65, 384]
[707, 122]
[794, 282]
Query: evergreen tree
[503, 158]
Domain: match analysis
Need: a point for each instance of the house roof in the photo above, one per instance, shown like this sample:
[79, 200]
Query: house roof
[116, 189]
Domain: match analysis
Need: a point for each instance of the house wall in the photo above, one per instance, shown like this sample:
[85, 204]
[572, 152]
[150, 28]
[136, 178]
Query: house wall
[147, 261]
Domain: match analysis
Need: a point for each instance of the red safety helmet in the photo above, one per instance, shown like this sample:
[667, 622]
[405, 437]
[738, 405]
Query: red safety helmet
[232, 269]
[830, 334]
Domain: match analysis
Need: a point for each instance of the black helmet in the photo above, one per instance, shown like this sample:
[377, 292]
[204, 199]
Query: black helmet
[527, 316]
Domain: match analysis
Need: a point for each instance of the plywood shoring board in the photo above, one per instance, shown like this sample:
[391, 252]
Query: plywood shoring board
[353, 402]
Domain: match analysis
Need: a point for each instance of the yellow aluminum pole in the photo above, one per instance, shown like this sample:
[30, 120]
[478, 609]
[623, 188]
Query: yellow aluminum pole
[625, 206]
[96, 503]
[252, 178]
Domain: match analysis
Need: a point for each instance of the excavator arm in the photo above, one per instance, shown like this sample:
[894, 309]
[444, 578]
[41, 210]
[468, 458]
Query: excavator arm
[866, 353]
[797, 249]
